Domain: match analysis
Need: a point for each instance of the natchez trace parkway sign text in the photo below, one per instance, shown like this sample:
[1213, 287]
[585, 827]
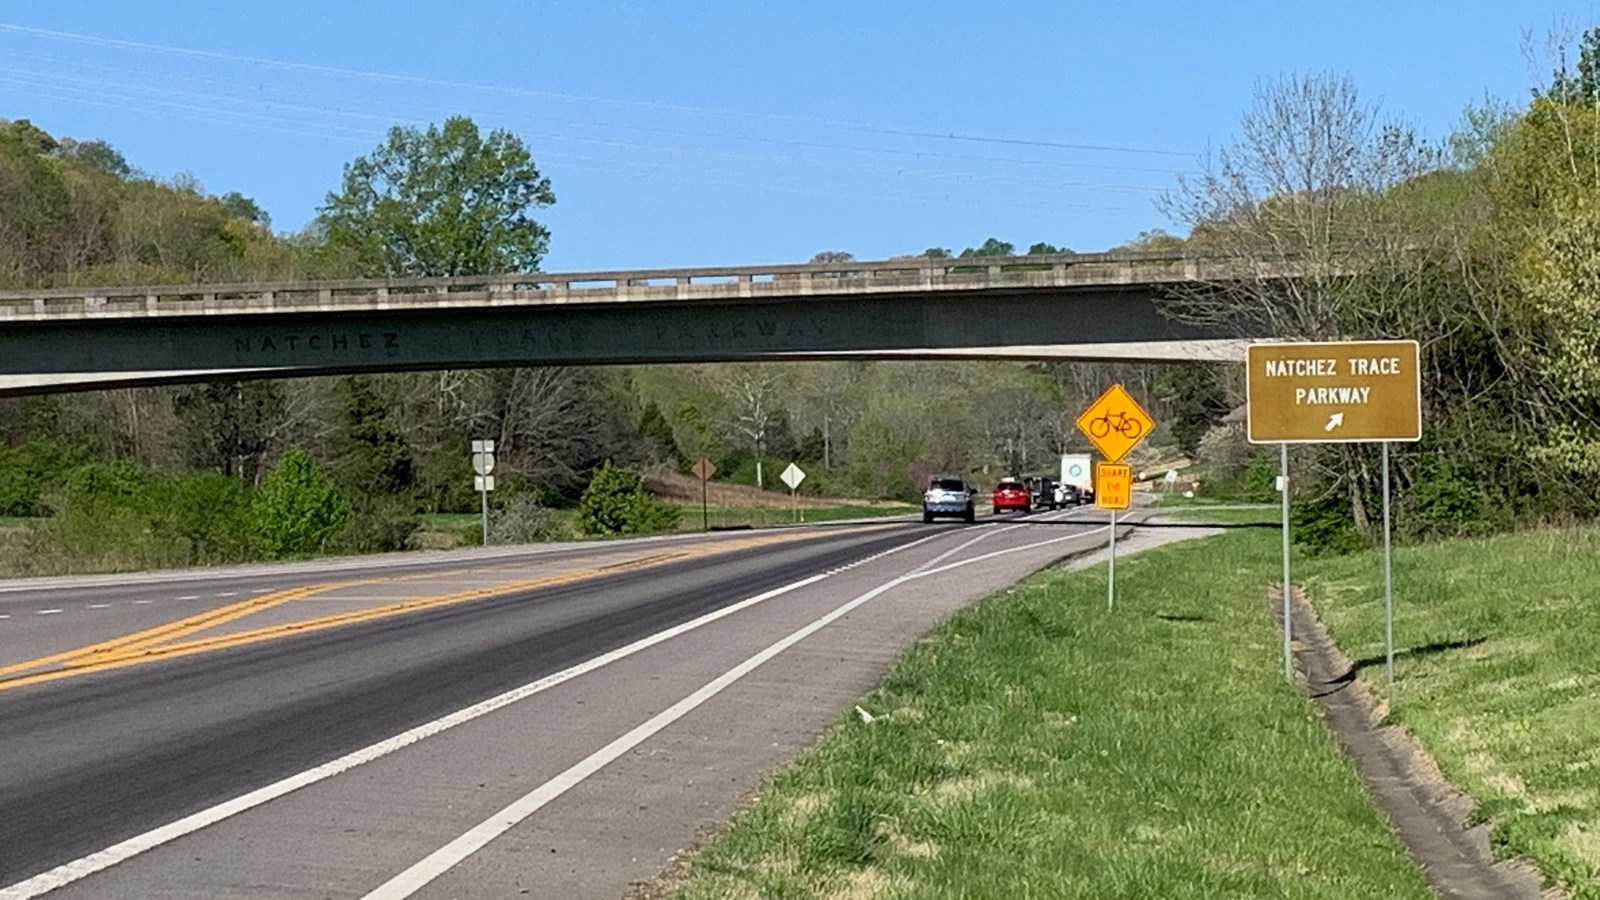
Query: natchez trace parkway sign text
[1333, 392]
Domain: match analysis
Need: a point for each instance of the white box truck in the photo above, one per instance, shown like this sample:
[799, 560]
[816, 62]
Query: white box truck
[1077, 470]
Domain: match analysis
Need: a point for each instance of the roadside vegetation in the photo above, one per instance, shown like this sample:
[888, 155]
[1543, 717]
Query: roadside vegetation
[1497, 672]
[1038, 744]
[1480, 244]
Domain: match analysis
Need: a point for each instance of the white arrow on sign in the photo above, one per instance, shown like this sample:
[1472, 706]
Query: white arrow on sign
[1334, 421]
[792, 476]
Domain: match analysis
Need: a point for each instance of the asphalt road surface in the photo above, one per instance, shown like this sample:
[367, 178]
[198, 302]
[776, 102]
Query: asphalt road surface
[547, 722]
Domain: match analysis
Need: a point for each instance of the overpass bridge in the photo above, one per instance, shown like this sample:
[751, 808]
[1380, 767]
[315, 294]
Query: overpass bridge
[1102, 306]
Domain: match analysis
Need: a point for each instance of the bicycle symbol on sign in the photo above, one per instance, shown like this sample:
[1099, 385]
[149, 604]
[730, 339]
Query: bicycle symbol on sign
[1121, 423]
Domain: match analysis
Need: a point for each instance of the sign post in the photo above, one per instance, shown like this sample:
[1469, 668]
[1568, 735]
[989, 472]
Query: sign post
[792, 476]
[1115, 424]
[703, 470]
[1113, 490]
[1327, 393]
[483, 465]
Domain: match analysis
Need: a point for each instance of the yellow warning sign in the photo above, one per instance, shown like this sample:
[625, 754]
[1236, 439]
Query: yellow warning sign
[1113, 486]
[1115, 423]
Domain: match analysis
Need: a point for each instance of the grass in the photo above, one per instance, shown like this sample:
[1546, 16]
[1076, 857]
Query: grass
[755, 516]
[1262, 515]
[1038, 745]
[1497, 672]
[443, 531]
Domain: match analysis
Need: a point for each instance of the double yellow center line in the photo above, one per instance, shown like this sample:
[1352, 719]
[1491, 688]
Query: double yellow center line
[184, 636]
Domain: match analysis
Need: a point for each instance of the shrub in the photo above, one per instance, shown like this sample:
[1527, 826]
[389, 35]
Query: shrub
[616, 502]
[1442, 499]
[297, 509]
[378, 525]
[209, 514]
[524, 520]
[1325, 528]
[29, 471]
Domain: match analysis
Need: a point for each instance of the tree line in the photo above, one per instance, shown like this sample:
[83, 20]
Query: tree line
[1484, 246]
[445, 200]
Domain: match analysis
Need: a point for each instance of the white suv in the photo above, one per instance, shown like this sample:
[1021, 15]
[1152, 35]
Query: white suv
[949, 495]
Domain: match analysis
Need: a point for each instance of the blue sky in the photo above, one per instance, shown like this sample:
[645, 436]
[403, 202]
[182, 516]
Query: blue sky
[681, 134]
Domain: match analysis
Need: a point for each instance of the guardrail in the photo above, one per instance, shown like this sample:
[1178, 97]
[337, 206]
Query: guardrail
[1086, 270]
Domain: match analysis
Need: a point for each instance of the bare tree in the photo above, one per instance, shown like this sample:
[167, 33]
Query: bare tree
[752, 392]
[1305, 206]
[1304, 192]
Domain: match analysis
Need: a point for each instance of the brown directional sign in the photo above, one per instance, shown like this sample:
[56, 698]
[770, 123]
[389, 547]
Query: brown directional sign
[1115, 423]
[704, 469]
[1333, 392]
[1113, 486]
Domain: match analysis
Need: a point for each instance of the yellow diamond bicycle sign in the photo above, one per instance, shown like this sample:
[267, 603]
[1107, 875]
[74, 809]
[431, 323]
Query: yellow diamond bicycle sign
[1115, 423]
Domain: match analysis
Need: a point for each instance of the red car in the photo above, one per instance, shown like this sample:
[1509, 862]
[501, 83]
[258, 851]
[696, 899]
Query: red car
[1011, 494]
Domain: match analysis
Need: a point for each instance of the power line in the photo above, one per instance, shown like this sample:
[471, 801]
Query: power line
[52, 67]
[418, 80]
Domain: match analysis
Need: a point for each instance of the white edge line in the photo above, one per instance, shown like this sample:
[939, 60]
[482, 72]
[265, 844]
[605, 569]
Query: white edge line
[479, 836]
[442, 860]
[67, 873]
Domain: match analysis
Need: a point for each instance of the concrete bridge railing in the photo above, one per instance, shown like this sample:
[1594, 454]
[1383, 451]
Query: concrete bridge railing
[779, 282]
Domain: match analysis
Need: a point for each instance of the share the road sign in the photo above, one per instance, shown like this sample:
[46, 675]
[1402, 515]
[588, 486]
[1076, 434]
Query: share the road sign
[1115, 423]
[1113, 486]
[1333, 392]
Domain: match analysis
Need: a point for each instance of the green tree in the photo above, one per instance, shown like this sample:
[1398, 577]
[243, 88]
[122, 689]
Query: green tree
[374, 458]
[241, 207]
[1196, 402]
[445, 201]
[616, 502]
[991, 247]
[297, 509]
[654, 426]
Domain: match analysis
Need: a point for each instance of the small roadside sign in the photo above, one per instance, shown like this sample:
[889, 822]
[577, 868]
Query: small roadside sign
[1113, 486]
[1115, 423]
[1333, 392]
[792, 476]
[482, 481]
[704, 469]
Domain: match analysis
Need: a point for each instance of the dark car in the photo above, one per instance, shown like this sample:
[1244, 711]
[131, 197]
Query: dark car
[948, 495]
[1044, 492]
[1011, 493]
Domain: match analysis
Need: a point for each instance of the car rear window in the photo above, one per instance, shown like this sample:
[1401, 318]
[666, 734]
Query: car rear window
[1009, 486]
[948, 484]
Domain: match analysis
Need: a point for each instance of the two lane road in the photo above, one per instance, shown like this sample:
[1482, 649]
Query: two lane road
[545, 722]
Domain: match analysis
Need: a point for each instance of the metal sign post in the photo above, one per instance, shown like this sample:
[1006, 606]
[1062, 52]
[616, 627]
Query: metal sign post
[703, 470]
[1115, 424]
[1328, 393]
[1388, 579]
[483, 465]
[1288, 623]
[792, 476]
[1111, 564]
[1113, 490]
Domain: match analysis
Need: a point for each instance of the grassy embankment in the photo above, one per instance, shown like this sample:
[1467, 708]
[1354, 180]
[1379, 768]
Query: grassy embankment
[1497, 671]
[1039, 745]
[442, 531]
